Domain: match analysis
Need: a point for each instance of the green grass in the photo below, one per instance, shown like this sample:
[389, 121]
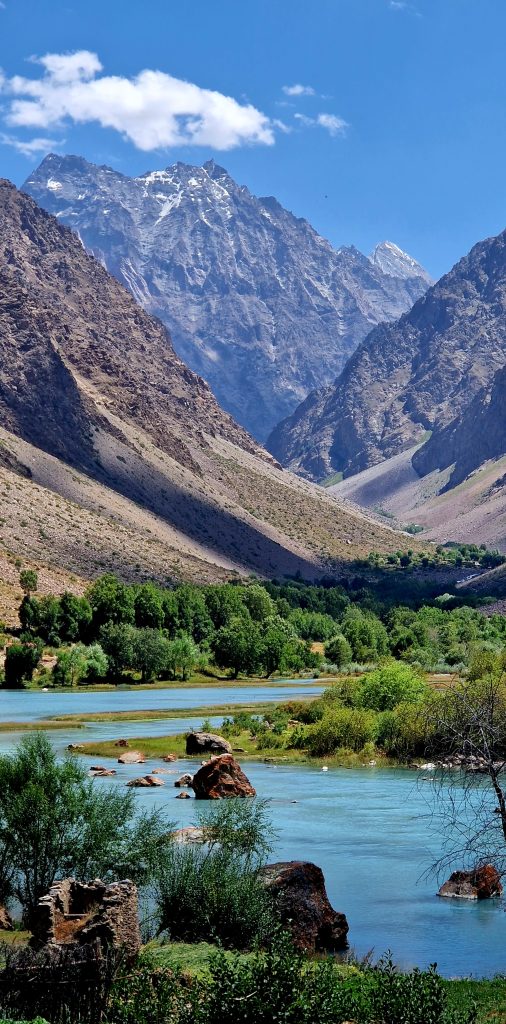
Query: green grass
[198, 681]
[191, 957]
[489, 996]
[329, 481]
[151, 715]
[44, 724]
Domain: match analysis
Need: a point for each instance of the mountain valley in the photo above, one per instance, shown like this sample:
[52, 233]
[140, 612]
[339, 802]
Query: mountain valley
[114, 455]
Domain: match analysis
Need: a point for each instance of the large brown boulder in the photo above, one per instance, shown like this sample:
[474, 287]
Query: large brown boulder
[207, 742]
[221, 777]
[300, 897]
[479, 884]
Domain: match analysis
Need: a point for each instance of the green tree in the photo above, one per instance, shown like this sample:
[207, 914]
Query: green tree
[209, 889]
[149, 612]
[350, 728]
[97, 663]
[192, 613]
[280, 646]
[313, 625]
[258, 602]
[56, 822]
[150, 650]
[21, 660]
[71, 666]
[182, 656]
[338, 650]
[47, 618]
[366, 635]
[238, 646]
[80, 663]
[28, 580]
[224, 603]
[392, 683]
[118, 641]
[75, 617]
[29, 614]
[111, 601]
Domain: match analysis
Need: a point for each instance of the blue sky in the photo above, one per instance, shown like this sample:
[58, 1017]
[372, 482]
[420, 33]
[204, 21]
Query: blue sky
[399, 131]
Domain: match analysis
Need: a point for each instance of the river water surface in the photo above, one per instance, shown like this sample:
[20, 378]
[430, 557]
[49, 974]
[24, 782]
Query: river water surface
[369, 829]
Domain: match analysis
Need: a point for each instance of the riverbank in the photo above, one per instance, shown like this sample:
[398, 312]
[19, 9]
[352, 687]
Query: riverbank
[199, 680]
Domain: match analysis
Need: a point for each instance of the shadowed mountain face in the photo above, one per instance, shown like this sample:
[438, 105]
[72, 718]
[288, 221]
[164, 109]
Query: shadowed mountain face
[417, 375]
[255, 300]
[116, 453]
[467, 442]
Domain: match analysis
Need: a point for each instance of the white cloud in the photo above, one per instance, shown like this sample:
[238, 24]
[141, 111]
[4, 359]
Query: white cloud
[331, 122]
[404, 5]
[153, 110]
[29, 147]
[281, 126]
[299, 90]
[334, 124]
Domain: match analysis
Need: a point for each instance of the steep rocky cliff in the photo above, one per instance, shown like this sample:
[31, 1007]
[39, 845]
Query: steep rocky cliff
[414, 376]
[255, 300]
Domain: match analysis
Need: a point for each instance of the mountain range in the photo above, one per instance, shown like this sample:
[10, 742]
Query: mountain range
[419, 410]
[256, 302]
[115, 456]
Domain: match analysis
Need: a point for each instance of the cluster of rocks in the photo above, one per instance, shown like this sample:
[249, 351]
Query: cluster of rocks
[219, 777]
[463, 762]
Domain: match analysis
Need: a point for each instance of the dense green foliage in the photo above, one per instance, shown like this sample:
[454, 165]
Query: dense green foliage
[281, 986]
[146, 632]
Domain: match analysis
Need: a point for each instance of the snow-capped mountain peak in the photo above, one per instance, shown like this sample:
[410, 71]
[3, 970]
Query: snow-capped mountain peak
[393, 260]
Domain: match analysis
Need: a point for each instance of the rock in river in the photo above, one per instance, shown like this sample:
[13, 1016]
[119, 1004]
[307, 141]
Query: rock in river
[145, 781]
[221, 777]
[204, 742]
[479, 884]
[185, 780]
[298, 889]
[132, 757]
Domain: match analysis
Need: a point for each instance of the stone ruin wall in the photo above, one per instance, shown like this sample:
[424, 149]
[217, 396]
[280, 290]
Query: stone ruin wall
[88, 913]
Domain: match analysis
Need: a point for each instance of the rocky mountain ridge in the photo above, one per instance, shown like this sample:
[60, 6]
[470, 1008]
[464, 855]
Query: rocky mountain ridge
[255, 300]
[407, 379]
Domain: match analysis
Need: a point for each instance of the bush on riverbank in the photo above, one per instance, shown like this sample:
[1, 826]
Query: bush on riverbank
[209, 888]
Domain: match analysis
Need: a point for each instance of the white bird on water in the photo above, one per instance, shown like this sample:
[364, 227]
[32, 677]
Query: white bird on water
[325, 769]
